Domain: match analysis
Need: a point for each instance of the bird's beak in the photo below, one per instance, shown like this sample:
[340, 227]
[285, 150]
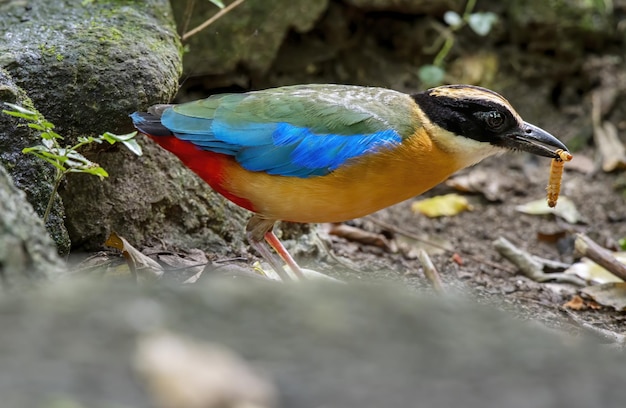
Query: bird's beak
[533, 139]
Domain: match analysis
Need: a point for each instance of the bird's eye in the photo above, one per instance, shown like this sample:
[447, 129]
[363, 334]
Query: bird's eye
[494, 119]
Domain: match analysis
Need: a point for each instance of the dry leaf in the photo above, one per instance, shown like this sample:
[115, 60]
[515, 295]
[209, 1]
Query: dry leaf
[479, 181]
[189, 265]
[444, 205]
[592, 272]
[576, 303]
[565, 209]
[608, 294]
[139, 264]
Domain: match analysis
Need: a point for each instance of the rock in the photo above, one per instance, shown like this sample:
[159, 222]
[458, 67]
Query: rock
[27, 254]
[316, 344]
[250, 35]
[86, 66]
[410, 6]
[30, 174]
[147, 199]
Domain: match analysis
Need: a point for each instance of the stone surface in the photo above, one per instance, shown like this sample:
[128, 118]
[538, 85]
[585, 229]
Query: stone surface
[320, 345]
[30, 174]
[250, 35]
[410, 6]
[86, 66]
[147, 199]
[27, 254]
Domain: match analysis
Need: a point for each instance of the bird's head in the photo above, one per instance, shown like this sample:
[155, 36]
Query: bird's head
[486, 122]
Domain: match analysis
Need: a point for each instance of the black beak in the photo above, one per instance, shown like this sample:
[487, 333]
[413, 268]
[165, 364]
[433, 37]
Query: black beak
[532, 139]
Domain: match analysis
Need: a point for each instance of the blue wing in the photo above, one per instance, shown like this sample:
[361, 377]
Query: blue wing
[296, 131]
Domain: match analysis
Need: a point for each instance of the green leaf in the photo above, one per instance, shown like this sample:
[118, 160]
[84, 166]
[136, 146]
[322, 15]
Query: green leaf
[112, 138]
[431, 75]
[133, 146]
[96, 171]
[218, 3]
[27, 116]
[482, 22]
[20, 109]
[453, 19]
[36, 126]
[128, 140]
[87, 139]
[50, 135]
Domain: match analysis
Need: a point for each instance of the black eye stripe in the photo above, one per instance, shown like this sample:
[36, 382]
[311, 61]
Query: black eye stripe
[468, 117]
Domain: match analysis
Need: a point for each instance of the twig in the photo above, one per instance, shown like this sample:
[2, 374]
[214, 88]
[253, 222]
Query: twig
[210, 21]
[587, 247]
[531, 267]
[606, 138]
[430, 271]
[408, 234]
[191, 4]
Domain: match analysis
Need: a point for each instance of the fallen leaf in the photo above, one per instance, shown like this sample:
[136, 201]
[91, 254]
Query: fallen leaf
[565, 209]
[479, 181]
[552, 236]
[578, 303]
[457, 259]
[188, 265]
[592, 272]
[608, 294]
[140, 265]
[575, 303]
[444, 205]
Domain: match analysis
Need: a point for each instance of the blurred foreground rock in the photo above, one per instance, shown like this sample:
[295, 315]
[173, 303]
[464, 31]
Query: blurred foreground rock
[308, 345]
[27, 253]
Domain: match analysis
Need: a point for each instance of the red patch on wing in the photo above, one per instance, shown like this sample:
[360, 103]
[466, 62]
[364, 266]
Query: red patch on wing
[210, 166]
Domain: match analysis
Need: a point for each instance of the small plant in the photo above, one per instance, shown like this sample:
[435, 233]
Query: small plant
[480, 22]
[66, 159]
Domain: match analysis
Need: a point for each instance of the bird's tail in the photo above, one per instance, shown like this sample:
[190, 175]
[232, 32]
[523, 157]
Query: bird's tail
[149, 122]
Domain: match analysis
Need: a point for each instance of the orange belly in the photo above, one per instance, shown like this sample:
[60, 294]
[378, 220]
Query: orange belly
[361, 187]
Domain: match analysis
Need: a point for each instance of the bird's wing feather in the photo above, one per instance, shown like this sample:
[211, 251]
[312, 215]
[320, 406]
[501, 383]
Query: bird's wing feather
[300, 131]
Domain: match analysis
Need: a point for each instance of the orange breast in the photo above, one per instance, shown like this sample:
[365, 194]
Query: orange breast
[364, 186]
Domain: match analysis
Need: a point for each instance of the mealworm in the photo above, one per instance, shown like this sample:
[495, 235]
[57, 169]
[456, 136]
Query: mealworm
[556, 172]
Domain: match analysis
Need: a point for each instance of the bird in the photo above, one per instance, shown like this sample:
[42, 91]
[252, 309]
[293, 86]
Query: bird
[330, 153]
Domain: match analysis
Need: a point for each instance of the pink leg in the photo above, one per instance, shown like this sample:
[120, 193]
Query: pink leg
[282, 252]
[259, 234]
[274, 261]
